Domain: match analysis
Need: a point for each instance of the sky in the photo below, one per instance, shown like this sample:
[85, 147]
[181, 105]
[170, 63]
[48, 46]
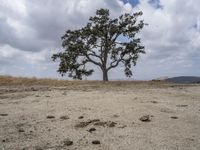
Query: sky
[31, 30]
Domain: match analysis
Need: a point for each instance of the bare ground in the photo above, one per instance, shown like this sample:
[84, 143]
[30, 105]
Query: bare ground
[100, 116]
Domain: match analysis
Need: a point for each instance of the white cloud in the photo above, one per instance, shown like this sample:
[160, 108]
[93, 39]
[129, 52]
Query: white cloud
[31, 30]
[170, 39]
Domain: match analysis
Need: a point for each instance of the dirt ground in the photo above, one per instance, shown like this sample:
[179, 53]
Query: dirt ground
[98, 116]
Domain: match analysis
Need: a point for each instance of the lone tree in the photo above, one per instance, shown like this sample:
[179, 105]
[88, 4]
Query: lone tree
[104, 42]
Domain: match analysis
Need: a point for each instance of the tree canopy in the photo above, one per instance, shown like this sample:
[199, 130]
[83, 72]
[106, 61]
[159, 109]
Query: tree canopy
[105, 42]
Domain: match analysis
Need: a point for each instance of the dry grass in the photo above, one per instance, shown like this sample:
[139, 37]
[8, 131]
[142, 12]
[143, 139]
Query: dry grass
[83, 85]
[24, 81]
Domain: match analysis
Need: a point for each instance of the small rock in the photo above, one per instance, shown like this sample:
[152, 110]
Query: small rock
[47, 96]
[34, 89]
[154, 102]
[21, 130]
[174, 117]
[96, 142]
[3, 114]
[145, 118]
[111, 124]
[81, 117]
[5, 140]
[64, 117]
[68, 142]
[50, 117]
[91, 130]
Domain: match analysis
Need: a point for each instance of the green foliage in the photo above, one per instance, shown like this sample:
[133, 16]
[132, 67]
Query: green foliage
[98, 43]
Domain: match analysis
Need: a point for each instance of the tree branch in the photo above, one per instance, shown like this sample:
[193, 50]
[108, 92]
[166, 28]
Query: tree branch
[112, 65]
[94, 62]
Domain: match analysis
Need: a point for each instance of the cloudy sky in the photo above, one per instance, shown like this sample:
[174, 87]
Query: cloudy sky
[30, 32]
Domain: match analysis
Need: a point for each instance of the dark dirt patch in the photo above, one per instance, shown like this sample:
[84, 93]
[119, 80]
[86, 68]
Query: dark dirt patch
[166, 110]
[154, 102]
[3, 114]
[96, 122]
[181, 105]
[86, 123]
[115, 116]
[82, 124]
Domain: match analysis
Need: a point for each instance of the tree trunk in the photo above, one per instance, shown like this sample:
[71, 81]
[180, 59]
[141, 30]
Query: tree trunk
[105, 75]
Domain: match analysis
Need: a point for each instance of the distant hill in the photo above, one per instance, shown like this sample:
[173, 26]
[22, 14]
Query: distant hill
[184, 79]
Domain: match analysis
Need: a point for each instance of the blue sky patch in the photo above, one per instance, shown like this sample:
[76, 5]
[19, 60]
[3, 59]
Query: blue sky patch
[132, 2]
[155, 3]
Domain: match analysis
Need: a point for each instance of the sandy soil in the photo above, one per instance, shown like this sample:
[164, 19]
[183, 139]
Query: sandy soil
[41, 118]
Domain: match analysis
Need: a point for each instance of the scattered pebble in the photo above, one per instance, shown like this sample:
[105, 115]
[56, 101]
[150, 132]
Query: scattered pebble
[145, 118]
[174, 117]
[111, 124]
[81, 117]
[154, 102]
[5, 140]
[34, 89]
[21, 130]
[50, 117]
[96, 142]
[68, 142]
[91, 130]
[64, 117]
